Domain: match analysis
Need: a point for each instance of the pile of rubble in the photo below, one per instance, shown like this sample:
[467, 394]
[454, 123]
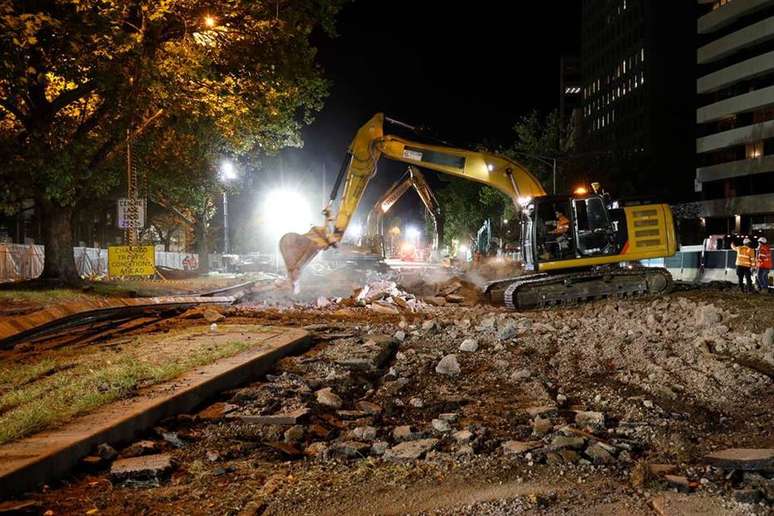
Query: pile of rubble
[624, 389]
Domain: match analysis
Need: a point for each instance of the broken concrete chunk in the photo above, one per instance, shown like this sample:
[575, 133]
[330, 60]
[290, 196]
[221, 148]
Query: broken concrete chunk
[508, 331]
[592, 420]
[435, 301]
[541, 426]
[216, 411]
[349, 449]
[294, 434]
[469, 345]
[400, 335]
[315, 449]
[289, 418]
[379, 447]
[521, 374]
[140, 448]
[106, 452]
[369, 408]
[147, 467]
[658, 470]
[745, 459]
[328, 398]
[707, 315]
[429, 325]
[405, 433]
[455, 298]
[519, 447]
[384, 307]
[767, 339]
[561, 441]
[463, 436]
[364, 433]
[680, 482]
[448, 366]
[410, 450]
[542, 410]
[439, 425]
[599, 455]
[487, 323]
[213, 316]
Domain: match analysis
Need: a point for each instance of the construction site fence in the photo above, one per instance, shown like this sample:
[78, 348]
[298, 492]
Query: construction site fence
[23, 262]
[699, 266]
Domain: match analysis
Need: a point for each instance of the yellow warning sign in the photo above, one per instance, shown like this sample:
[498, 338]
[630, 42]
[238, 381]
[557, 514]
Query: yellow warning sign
[124, 260]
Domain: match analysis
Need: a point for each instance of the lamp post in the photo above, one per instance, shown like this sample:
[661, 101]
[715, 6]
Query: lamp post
[548, 160]
[227, 173]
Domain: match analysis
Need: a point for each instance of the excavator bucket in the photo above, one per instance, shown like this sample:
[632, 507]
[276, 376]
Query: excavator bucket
[297, 250]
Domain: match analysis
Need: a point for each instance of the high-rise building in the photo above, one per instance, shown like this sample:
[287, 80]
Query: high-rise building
[735, 115]
[638, 102]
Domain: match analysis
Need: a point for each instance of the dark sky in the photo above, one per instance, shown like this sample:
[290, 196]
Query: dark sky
[467, 70]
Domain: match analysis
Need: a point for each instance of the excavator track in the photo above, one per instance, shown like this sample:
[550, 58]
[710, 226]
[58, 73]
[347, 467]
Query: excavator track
[547, 290]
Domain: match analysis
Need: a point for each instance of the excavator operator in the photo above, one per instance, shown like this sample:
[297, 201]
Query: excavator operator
[557, 246]
[562, 224]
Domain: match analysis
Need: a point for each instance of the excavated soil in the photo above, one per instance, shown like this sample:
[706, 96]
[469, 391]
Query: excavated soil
[601, 392]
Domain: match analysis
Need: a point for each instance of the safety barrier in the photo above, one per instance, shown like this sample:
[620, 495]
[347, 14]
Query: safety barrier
[692, 264]
[22, 262]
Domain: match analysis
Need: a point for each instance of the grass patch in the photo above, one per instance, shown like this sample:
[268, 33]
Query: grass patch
[45, 296]
[35, 397]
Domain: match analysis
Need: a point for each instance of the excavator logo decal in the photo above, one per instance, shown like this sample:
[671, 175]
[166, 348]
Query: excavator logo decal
[412, 155]
[435, 157]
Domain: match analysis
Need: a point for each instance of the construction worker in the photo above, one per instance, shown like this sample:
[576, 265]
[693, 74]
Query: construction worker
[763, 260]
[562, 224]
[745, 259]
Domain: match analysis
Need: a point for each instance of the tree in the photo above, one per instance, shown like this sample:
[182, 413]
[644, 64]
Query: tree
[538, 139]
[466, 205]
[80, 77]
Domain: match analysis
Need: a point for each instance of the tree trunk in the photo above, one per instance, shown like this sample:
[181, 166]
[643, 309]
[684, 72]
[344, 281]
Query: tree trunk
[202, 249]
[59, 263]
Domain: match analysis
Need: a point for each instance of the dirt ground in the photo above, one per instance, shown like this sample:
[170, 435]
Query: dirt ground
[470, 409]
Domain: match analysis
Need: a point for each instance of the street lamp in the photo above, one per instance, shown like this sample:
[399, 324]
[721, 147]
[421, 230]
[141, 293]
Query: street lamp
[227, 174]
[548, 160]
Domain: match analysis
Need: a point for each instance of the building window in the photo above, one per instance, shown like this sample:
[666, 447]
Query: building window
[754, 150]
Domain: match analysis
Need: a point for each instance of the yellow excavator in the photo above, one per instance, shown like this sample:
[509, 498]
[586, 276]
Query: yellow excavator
[413, 178]
[574, 247]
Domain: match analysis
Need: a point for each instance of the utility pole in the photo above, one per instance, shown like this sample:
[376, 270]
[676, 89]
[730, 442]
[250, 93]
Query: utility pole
[225, 222]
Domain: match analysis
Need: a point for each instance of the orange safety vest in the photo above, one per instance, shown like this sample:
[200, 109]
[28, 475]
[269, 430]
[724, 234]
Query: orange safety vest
[745, 256]
[764, 256]
[562, 225]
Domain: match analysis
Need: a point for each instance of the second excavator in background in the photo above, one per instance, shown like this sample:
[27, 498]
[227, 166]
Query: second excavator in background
[574, 247]
[373, 238]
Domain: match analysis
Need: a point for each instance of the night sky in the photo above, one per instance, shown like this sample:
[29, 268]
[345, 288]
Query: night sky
[466, 71]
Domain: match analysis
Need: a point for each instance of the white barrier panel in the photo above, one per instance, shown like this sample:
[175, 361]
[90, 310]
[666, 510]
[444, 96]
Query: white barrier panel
[23, 262]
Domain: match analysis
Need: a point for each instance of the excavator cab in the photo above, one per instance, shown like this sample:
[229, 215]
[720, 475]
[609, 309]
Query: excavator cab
[562, 228]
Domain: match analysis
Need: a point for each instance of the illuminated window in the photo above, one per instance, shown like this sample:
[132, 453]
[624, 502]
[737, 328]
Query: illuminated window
[754, 150]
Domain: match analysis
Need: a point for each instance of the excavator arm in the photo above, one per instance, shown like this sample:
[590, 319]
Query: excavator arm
[430, 202]
[385, 202]
[368, 147]
[413, 178]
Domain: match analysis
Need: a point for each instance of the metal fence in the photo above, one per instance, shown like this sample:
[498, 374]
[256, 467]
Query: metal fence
[21, 262]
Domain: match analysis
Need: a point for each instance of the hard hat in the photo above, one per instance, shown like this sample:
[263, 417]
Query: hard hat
[762, 240]
[746, 241]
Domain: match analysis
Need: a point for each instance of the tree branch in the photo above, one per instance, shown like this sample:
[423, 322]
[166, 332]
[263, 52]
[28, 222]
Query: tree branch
[15, 111]
[164, 204]
[67, 97]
